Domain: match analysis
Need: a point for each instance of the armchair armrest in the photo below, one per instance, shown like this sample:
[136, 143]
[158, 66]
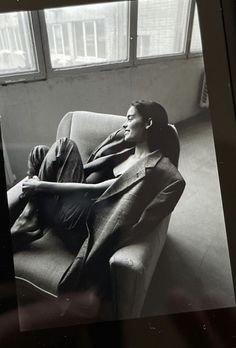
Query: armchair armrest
[15, 204]
[132, 268]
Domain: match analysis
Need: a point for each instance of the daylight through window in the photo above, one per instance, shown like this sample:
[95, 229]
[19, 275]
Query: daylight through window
[196, 43]
[114, 34]
[88, 34]
[16, 44]
[161, 27]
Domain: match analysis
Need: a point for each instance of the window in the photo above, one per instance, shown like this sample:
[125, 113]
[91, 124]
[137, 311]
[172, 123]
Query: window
[88, 34]
[161, 27]
[58, 39]
[90, 41]
[196, 43]
[16, 44]
[143, 46]
[117, 34]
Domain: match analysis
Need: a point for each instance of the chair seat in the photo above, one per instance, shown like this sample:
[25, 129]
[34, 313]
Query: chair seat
[44, 262]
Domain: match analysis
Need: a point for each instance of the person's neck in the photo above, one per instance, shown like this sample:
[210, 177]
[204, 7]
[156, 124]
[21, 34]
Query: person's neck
[141, 149]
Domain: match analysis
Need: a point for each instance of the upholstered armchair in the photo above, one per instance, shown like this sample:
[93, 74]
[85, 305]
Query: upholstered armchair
[132, 266]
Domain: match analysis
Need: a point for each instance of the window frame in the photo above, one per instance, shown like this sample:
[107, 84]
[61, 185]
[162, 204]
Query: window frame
[42, 52]
[191, 54]
[26, 76]
[77, 70]
[171, 56]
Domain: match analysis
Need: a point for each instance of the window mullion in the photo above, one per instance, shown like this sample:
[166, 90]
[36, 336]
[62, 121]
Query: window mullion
[133, 17]
[38, 45]
[190, 27]
[45, 42]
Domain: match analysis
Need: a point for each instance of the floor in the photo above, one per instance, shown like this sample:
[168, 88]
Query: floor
[193, 272]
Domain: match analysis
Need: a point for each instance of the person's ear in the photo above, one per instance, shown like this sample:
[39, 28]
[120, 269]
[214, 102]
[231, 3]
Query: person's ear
[148, 123]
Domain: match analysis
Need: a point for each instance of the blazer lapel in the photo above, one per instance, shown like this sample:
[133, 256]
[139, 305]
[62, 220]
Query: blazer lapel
[132, 175]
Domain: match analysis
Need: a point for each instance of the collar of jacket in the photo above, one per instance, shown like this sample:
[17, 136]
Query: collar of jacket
[133, 174]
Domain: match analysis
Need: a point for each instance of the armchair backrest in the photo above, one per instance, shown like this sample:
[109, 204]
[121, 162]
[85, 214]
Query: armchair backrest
[171, 146]
[89, 129]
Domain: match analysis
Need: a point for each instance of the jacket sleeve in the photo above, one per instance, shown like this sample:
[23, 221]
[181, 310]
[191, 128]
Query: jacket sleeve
[160, 207]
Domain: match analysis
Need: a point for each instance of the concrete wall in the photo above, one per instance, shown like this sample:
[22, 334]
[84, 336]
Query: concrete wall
[31, 111]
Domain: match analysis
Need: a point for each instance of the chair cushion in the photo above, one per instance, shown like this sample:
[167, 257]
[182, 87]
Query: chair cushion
[45, 260]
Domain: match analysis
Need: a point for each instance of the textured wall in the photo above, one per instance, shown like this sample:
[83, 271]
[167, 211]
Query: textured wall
[32, 111]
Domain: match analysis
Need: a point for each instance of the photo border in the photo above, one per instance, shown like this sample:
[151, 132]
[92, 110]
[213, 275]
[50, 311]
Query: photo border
[179, 330]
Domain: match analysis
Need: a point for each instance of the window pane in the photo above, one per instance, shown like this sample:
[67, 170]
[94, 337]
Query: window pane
[161, 27]
[88, 34]
[196, 43]
[17, 54]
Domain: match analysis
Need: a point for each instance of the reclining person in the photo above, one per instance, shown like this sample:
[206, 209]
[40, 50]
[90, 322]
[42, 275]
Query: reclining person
[103, 205]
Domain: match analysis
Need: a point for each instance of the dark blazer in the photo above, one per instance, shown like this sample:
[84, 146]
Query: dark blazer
[135, 204]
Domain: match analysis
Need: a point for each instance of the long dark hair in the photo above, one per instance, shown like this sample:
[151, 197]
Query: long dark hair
[156, 133]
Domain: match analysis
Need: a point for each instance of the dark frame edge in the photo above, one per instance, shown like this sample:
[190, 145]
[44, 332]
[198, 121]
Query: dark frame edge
[222, 107]
[8, 300]
[180, 329]
[28, 5]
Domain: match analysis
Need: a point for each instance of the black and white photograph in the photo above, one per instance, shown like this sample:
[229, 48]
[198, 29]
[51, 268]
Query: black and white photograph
[113, 192]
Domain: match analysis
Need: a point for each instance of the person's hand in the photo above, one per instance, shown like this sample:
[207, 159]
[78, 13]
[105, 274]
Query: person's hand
[30, 186]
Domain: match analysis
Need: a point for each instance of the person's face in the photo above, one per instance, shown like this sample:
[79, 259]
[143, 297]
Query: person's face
[135, 127]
